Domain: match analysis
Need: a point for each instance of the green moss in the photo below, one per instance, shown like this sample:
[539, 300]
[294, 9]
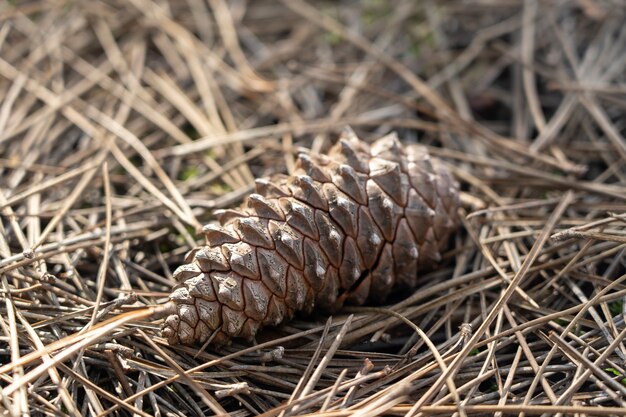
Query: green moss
[425, 42]
[616, 307]
[333, 38]
[220, 188]
[189, 172]
[561, 322]
[375, 10]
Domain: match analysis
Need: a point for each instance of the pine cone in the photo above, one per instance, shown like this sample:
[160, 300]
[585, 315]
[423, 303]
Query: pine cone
[344, 228]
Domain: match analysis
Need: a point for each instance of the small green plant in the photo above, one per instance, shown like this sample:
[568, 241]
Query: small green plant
[617, 373]
[561, 322]
[188, 173]
[474, 352]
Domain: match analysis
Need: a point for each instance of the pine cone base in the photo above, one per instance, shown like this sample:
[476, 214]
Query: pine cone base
[345, 228]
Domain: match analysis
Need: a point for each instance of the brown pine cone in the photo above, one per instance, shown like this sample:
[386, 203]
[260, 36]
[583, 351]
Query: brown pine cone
[344, 228]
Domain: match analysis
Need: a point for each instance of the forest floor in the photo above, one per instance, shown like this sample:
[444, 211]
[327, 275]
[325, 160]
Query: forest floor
[125, 123]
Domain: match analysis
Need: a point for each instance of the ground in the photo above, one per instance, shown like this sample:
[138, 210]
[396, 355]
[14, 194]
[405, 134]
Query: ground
[125, 124]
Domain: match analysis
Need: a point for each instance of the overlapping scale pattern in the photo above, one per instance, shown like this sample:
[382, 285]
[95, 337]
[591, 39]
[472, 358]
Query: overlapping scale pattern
[347, 227]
